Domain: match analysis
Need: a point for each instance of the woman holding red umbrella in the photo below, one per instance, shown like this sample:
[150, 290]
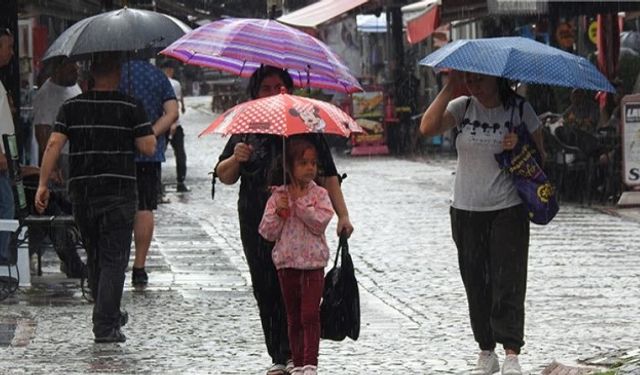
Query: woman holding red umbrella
[251, 158]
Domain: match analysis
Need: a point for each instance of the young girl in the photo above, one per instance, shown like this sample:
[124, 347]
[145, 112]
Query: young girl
[296, 217]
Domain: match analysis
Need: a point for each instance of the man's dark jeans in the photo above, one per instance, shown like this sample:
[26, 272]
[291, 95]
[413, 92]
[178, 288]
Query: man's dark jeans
[177, 143]
[7, 211]
[106, 225]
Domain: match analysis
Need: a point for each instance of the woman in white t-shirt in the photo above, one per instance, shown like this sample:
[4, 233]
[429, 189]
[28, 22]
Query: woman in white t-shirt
[489, 223]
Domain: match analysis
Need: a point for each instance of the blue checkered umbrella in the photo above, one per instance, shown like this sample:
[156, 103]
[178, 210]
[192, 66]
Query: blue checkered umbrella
[519, 59]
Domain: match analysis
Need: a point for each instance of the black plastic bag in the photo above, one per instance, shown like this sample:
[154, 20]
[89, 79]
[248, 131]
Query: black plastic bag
[340, 308]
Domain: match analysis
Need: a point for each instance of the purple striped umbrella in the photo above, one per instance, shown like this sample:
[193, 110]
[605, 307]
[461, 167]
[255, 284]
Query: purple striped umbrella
[240, 45]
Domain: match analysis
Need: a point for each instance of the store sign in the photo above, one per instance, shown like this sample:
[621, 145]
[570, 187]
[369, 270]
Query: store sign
[367, 104]
[564, 35]
[631, 139]
[368, 111]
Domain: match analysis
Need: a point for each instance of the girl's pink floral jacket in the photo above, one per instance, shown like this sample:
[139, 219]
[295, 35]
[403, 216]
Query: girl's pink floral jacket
[300, 239]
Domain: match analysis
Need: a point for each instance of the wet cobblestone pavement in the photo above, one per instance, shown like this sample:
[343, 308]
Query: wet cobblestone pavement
[198, 314]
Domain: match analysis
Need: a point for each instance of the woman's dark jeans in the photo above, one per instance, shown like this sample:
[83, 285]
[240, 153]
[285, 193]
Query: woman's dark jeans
[266, 287]
[177, 143]
[493, 250]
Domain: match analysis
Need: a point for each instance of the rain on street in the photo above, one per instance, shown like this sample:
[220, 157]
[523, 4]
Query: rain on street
[198, 314]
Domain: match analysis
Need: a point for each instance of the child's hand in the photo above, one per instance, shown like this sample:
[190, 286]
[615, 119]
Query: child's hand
[282, 206]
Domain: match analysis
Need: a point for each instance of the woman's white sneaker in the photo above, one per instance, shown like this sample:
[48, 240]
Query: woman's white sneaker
[487, 363]
[511, 366]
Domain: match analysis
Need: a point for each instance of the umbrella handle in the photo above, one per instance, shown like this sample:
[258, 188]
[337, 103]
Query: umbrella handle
[242, 68]
[308, 80]
[284, 163]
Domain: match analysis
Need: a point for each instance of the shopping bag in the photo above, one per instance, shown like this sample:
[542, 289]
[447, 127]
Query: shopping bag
[340, 307]
[534, 188]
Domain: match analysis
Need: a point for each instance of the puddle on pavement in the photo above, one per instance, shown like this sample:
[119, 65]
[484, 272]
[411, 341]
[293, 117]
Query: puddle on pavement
[48, 292]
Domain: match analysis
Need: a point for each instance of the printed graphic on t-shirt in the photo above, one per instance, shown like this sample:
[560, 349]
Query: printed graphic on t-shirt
[483, 133]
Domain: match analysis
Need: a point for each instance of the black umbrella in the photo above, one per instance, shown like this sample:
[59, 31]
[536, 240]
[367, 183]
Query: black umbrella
[139, 32]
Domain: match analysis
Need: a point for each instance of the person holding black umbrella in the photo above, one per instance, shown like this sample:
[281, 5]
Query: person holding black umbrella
[104, 128]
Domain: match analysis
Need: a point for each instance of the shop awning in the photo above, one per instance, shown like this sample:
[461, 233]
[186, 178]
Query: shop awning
[424, 23]
[561, 8]
[414, 10]
[420, 19]
[454, 10]
[320, 12]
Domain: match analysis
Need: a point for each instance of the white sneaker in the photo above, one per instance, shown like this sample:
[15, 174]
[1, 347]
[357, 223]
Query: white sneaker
[310, 370]
[511, 366]
[276, 369]
[487, 363]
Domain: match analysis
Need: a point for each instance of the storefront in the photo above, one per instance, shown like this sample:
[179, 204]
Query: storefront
[373, 47]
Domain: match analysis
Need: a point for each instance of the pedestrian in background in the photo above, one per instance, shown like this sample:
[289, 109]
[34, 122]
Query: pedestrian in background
[7, 206]
[104, 128]
[251, 158]
[61, 86]
[583, 113]
[296, 217]
[27, 92]
[176, 134]
[150, 86]
[489, 223]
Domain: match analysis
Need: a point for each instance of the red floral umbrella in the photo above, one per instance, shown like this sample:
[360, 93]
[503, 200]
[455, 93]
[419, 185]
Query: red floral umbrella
[284, 115]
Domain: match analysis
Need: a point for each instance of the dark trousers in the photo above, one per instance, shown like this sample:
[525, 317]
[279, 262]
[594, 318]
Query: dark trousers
[7, 211]
[106, 225]
[266, 288]
[302, 291]
[23, 133]
[493, 249]
[177, 143]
